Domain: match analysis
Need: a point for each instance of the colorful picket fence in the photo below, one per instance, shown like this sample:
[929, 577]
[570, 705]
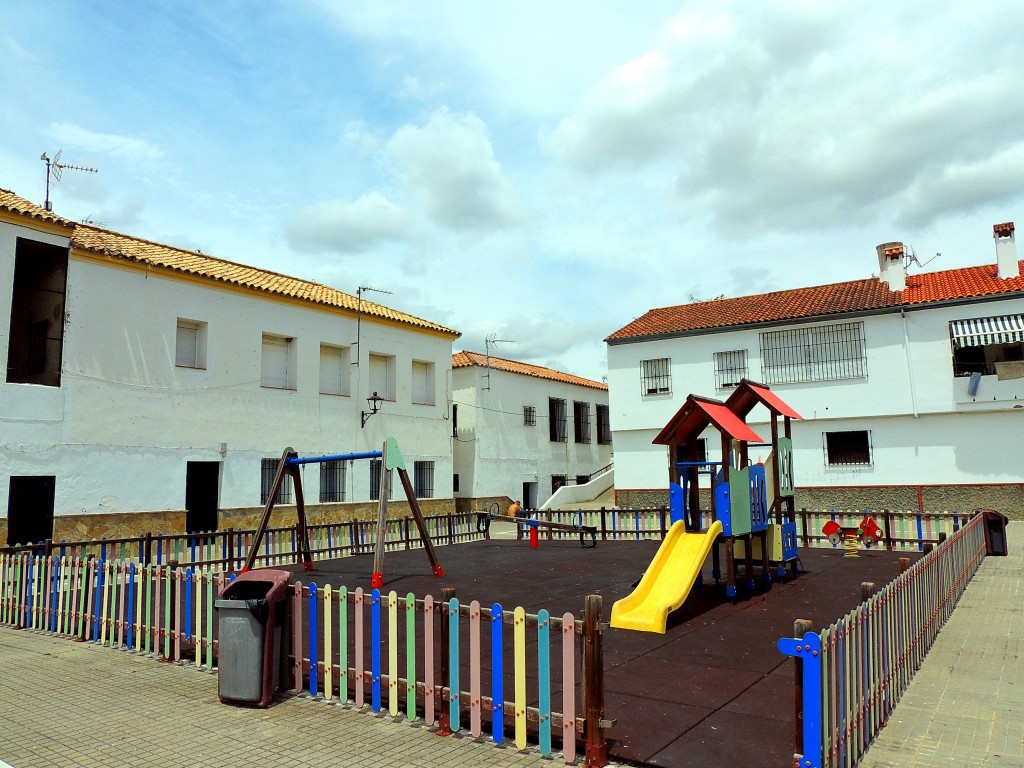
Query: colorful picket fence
[226, 549]
[856, 670]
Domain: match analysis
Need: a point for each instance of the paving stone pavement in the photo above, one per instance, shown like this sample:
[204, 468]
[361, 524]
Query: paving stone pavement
[77, 704]
[965, 706]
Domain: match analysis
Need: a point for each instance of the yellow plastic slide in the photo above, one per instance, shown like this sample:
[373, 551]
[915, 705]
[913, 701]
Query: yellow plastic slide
[668, 580]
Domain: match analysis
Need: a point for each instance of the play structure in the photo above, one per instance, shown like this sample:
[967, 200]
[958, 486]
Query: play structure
[391, 458]
[485, 516]
[867, 533]
[752, 506]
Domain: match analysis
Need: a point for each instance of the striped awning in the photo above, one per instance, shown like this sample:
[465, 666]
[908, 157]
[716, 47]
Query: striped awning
[979, 331]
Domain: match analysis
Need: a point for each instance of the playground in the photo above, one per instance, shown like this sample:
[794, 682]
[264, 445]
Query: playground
[712, 690]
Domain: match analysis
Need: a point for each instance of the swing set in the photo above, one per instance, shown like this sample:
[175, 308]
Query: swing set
[391, 459]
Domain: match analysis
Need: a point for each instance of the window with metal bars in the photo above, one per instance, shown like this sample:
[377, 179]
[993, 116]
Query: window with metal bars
[581, 421]
[423, 479]
[333, 475]
[848, 448]
[604, 426]
[730, 368]
[557, 481]
[556, 420]
[268, 470]
[529, 416]
[814, 353]
[656, 376]
[375, 470]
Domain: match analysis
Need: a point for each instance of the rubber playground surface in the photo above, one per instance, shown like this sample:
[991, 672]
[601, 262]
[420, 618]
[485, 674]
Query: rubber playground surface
[712, 691]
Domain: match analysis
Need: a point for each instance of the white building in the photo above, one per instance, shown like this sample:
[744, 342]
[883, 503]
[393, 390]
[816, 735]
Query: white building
[911, 386]
[522, 431]
[145, 378]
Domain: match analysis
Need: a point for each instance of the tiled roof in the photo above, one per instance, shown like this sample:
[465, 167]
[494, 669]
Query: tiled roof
[822, 300]
[11, 202]
[101, 241]
[466, 359]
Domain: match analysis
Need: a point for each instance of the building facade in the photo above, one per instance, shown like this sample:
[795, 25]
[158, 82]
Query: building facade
[911, 387]
[522, 431]
[143, 378]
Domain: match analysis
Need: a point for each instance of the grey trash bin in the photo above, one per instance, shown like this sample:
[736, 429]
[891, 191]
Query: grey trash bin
[250, 620]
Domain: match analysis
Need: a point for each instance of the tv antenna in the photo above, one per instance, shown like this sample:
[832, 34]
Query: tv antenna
[54, 169]
[359, 313]
[489, 342]
[911, 258]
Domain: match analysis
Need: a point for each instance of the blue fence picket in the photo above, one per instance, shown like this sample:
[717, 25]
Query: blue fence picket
[314, 682]
[375, 650]
[131, 606]
[497, 675]
[54, 594]
[453, 661]
[544, 681]
[188, 603]
[98, 599]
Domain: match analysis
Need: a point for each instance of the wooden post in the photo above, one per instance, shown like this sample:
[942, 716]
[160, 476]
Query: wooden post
[867, 589]
[593, 682]
[300, 512]
[444, 720]
[377, 579]
[147, 556]
[261, 529]
[904, 564]
[800, 628]
[604, 524]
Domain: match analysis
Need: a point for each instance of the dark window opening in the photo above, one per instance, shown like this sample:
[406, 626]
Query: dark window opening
[848, 448]
[455, 420]
[30, 509]
[557, 481]
[582, 479]
[604, 427]
[455, 483]
[556, 420]
[202, 495]
[423, 479]
[36, 340]
[529, 416]
[581, 421]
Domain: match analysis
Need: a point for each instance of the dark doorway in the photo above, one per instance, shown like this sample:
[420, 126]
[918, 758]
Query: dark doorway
[529, 495]
[36, 336]
[30, 509]
[202, 496]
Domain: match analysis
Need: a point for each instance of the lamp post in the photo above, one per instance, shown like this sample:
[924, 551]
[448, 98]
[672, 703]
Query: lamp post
[374, 402]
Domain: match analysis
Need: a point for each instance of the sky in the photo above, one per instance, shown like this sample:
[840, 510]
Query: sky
[541, 173]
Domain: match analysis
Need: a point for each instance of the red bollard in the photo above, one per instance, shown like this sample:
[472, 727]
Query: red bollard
[534, 539]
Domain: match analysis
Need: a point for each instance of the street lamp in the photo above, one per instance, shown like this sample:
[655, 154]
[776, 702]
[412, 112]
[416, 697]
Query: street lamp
[374, 402]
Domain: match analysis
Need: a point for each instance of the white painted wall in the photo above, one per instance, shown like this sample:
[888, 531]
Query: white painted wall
[120, 429]
[495, 453]
[925, 428]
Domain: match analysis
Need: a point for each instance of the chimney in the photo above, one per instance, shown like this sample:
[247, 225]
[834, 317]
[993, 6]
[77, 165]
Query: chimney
[1006, 251]
[890, 266]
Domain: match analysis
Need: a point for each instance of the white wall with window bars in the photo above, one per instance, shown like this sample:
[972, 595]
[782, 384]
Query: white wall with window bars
[581, 421]
[423, 479]
[827, 352]
[730, 368]
[268, 471]
[334, 481]
[656, 376]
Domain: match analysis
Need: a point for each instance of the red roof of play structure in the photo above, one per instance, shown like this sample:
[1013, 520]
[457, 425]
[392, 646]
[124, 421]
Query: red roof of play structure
[749, 393]
[694, 417]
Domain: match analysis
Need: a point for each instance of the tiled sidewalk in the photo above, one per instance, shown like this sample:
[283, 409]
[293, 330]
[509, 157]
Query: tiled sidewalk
[77, 704]
[965, 707]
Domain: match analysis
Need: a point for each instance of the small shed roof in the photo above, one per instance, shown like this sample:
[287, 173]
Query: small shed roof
[749, 393]
[695, 416]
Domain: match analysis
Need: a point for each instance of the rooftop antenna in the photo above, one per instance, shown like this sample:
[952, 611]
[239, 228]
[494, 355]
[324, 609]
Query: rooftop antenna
[491, 341]
[910, 257]
[359, 314]
[55, 168]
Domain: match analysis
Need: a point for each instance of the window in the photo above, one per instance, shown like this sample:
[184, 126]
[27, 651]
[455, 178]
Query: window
[334, 368]
[382, 376]
[987, 345]
[268, 470]
[557, 481]
[36, 337]
[190, 344]
[604, 426]
[375, 469]
[278, 365]
[333, 475]
[656, 376]
[582, 479]
[422, 382]
[581, 421]
[556, 419]
[815, 353]
[455, 483]
[730, 368]
[423, 479]
[850, 448]
[455, 420]
[529, 416]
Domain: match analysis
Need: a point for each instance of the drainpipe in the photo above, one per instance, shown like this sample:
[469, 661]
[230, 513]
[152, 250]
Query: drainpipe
[910, 365]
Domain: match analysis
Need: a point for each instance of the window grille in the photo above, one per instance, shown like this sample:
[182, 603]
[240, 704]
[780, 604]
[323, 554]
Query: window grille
[815, 353]
[375, 470]
[529, 415]
[556, 419]
[557, 481]
[581, 421]
[730, 368]
[268, 470]
[604, 427]
[656, 376]
[582, 479]
[849, 448]
[333, 476]
[423, 479]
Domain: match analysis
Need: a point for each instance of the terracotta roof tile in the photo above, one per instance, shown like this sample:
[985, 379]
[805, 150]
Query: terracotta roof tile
[822, 300]
[465, 359]
[11, 202]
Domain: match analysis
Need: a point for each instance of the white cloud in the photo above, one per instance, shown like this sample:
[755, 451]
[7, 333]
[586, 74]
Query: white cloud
[129, 148]
[343, 226]
[448, 164]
